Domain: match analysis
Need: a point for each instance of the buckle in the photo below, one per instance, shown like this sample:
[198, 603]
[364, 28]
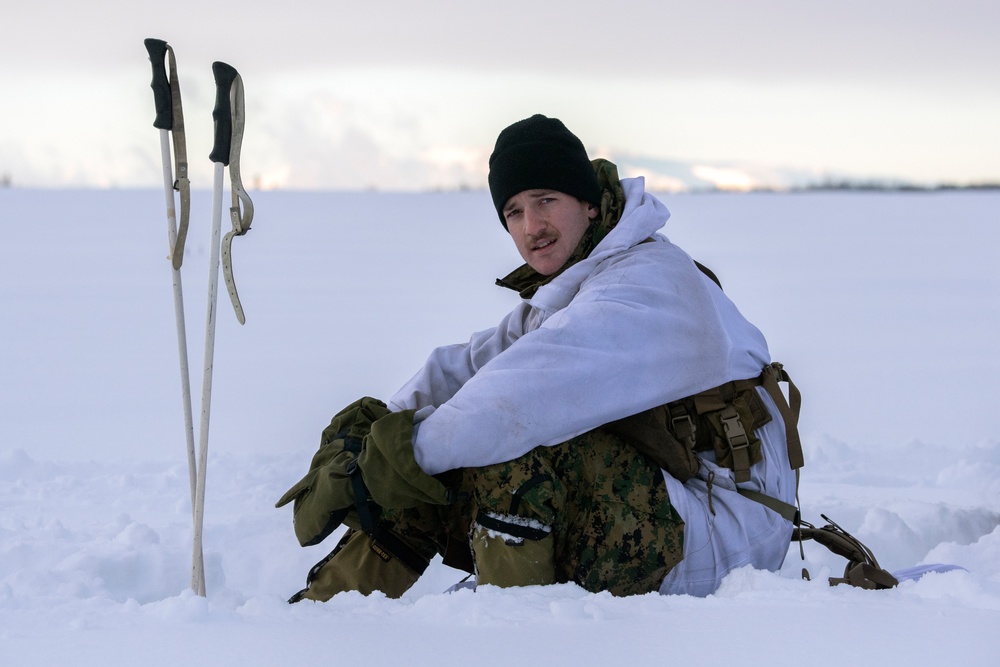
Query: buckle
[686, 432]
[736, 435]
[739, 443]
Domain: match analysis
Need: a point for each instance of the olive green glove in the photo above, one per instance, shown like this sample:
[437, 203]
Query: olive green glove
[324, 498]
[365, 458]
[390, 470]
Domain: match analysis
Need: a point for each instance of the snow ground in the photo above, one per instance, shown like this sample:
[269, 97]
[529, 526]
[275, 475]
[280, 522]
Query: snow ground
[883, 307]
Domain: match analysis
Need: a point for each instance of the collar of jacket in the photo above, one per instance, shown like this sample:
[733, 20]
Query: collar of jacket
[525, 280]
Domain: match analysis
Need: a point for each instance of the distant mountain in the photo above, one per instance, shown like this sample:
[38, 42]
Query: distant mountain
[679, 176]
[667, 175]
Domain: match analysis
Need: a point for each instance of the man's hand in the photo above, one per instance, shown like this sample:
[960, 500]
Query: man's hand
[365, 461]
[325, 496]
[390, 470]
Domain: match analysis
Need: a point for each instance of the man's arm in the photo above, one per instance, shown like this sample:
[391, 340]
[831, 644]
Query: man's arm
[449, 367]
[643, 330]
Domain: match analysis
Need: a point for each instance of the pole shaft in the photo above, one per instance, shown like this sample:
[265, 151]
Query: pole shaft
[206, 388]
[197, 574]
[179, 314]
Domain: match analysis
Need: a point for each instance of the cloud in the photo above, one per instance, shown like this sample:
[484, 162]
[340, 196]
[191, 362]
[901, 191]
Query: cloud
[403, 95]
[903, 42]
[325, 141]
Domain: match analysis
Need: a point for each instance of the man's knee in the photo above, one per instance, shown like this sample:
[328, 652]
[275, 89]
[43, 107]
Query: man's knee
[517, 504]
[525, 487]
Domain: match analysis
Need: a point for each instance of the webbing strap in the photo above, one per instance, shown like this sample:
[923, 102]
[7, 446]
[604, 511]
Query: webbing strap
[769, 378]
[241, 212]
[181, 183]
[368, 517]
[386, 540]
[785, 510]
[772, 375]
[681, 425]
[400, 549]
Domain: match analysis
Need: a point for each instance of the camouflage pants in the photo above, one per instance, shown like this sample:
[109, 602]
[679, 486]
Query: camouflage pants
[606, 505]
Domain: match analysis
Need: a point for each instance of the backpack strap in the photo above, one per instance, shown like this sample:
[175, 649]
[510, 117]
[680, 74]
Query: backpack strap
[789, 410]
[787, 511]
[708, 272]
[769, 379]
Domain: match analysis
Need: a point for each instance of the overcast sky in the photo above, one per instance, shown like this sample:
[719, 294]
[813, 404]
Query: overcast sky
[411, 95]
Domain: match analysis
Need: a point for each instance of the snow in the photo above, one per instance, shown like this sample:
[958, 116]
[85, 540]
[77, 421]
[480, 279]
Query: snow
[882, 306]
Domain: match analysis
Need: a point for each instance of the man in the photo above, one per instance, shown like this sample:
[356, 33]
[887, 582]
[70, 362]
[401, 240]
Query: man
[551, 431]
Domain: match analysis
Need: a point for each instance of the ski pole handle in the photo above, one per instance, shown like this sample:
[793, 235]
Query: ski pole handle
[223, 112]
[157, 50]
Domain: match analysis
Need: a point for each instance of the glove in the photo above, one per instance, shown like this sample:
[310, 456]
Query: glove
[390, 470]
[365, 458]
[324, 497]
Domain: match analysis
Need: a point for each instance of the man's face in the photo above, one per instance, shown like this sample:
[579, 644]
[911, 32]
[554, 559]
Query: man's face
[546, 227]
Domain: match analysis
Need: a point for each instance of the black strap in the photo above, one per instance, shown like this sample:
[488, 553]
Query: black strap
[513, 529]
[708, 272]
[333, 522]
[362, 499]
[515, 501]
[400, 549]
[368, 513]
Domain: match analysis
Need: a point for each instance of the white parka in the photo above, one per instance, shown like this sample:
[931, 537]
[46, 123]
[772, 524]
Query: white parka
[632, 326]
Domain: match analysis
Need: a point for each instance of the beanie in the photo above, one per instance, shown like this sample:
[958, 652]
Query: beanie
[540, 153]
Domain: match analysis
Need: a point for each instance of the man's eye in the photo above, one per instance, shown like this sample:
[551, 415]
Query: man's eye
[511, 213]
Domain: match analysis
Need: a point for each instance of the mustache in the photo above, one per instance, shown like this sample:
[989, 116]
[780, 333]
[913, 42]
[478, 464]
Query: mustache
[542, 239]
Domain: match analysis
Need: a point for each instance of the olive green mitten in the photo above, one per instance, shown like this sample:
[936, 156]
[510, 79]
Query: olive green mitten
[389, 468]
[325, 496]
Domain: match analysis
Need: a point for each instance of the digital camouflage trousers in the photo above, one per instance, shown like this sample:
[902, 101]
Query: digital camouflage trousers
[603, 502]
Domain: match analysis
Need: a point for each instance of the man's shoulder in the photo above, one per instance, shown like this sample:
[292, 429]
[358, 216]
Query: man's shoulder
[657, 263]
[655, 251]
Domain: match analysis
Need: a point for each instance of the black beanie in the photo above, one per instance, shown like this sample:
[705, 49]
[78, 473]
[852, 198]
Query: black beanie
[540, 153]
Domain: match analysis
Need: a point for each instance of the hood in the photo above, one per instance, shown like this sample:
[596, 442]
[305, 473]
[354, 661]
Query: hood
[643, 215]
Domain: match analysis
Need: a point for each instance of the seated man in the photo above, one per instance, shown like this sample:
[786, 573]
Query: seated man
[621, 428]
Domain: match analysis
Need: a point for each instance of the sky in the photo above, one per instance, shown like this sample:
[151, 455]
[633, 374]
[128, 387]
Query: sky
[395, 95]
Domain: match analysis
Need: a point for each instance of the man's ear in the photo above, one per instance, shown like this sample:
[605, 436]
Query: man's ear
[592, 211]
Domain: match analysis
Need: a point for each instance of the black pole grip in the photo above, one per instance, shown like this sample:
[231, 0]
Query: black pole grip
[157, 50]
[223, 112]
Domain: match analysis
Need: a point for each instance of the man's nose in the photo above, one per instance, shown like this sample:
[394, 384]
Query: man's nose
[534, 223]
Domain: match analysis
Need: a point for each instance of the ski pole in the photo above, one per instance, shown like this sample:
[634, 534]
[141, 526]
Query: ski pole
[241, 211]
[170, 121]
[228, 86]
